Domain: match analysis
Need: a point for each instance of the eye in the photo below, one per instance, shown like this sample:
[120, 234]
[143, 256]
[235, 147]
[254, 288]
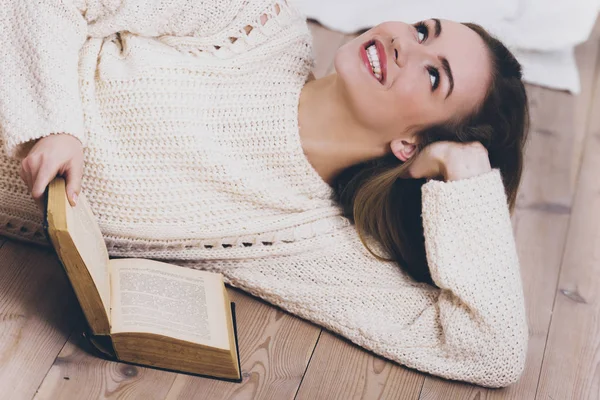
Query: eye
[422, 31]
[434, 77]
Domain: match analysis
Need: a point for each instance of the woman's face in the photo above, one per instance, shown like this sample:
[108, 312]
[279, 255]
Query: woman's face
[425, 74]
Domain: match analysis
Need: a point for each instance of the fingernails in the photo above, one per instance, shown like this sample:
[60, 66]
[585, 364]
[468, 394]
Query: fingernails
[74, 198]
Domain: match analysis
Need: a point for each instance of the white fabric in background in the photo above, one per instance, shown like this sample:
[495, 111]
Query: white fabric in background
[541, 33]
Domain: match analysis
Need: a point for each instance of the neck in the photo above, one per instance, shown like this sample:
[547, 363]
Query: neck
[332, 138]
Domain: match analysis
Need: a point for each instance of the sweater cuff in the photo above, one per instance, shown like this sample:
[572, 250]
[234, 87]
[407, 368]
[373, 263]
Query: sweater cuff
[19, 148]
[465, 192]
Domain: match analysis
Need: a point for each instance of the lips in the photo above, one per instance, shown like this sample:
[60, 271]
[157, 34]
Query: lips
[380, 54]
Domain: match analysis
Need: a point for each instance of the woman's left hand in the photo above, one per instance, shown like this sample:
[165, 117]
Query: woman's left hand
[450, 161]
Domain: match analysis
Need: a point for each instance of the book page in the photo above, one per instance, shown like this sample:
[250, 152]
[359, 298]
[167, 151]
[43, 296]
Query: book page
[87, 237]
[79, 243]
[154, 297]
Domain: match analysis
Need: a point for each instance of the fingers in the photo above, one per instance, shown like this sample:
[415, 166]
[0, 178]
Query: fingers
[42, 176]
[50, 156]
[30, 168]
[29, 172]
[73, 177]
[424, 164]
[448, 160]
[410, 171]
[466, 161]
[25, 175]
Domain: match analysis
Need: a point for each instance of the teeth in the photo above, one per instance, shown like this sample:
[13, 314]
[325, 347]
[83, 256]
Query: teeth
[374, 61]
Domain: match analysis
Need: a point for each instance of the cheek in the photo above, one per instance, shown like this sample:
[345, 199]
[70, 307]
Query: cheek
[411, 97]
[417, 105]
[403, 104]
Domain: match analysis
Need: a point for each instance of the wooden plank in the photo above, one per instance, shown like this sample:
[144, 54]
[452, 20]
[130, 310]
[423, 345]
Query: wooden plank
[275, 348]
[586, 55]
[274, 351]
[341, 370]
[38, 311]
[76, 374]
[572, 357]
[325, 43]
[435, 387]
[595, 34]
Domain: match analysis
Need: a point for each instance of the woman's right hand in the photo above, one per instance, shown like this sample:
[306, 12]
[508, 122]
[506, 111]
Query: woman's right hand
[450, 161]
[58, 154]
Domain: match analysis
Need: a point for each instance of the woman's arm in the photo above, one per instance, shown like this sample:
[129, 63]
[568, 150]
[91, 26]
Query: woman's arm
[473, 260]
[39, 77]
[39, 85]
[473, 328]
[39, 54]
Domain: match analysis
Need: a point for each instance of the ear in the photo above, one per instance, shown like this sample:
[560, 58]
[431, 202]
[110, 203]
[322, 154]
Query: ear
[403, 149]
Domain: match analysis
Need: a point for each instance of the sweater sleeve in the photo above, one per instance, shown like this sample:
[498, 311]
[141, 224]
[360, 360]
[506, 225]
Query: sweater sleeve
[39, 87]
[39, 53]
[473, 259]
[472, 328]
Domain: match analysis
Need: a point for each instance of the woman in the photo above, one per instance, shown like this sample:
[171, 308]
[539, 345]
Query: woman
[198, 137]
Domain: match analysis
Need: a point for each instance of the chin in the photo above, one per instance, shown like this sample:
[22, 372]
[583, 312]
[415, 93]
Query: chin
[347, 64]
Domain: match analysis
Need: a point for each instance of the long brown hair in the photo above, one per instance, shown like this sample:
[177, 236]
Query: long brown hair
[388, 208]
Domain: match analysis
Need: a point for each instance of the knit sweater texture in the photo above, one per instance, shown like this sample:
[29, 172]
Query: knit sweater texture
[188, 111]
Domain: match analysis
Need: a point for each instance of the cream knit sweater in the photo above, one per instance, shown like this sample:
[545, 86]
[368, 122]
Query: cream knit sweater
[192, 155]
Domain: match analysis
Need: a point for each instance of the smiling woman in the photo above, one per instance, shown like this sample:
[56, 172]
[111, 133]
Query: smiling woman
[402, 87]
[198, 137]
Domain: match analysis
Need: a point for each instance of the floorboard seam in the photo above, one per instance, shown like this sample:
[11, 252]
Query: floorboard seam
[590, 110]
[421, 390]
[573, 198]
[308, 363]
[51, 365]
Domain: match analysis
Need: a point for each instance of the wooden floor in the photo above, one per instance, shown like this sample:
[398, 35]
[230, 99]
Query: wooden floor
[557, 227]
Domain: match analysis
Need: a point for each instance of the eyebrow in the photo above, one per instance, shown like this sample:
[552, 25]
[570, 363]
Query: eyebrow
[448, 71]
[438, 27]
[445, 63]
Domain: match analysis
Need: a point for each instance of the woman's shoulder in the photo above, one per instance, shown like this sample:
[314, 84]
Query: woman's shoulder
[256, 28]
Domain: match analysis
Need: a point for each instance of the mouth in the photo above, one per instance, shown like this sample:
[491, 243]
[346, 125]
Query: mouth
[374, 57]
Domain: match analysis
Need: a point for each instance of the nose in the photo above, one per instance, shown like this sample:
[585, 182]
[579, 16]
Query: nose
[405, 50]
[400, 52]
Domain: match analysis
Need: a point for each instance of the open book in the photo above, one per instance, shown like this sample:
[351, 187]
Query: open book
[142, 311]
